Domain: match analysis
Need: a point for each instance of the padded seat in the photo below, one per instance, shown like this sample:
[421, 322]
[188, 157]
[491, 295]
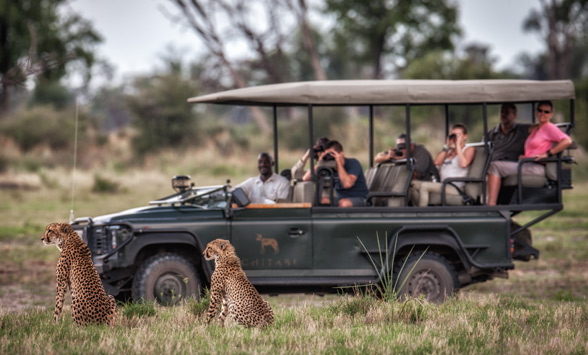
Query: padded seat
[304, 191]
[471, 192]
[389, 186]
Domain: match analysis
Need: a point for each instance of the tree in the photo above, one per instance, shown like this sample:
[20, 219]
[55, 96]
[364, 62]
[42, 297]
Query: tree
[393, 31]
[160, 112]
[36, 40]
[560, 23]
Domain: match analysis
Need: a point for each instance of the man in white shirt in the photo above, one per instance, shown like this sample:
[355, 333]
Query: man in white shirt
[268, 187]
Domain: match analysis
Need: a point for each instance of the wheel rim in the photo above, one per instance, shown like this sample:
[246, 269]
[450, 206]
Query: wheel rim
[425, 283]
[169, 289]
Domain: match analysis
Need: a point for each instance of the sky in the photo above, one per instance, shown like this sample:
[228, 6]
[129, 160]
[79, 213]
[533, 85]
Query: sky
[137, 34]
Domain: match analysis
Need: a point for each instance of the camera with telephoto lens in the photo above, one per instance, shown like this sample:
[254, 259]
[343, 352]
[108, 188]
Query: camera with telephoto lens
[328, 157]
[398, 152]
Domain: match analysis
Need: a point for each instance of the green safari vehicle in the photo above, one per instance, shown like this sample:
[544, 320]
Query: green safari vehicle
[155, 252]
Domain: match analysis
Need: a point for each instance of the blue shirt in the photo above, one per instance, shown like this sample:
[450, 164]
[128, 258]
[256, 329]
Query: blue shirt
[359, 189]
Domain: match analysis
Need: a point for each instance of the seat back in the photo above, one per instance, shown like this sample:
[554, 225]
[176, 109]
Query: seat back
[304, 191]
[398, 181]
[369, 175]
[392, 179]
[478, 169]
[476, 172]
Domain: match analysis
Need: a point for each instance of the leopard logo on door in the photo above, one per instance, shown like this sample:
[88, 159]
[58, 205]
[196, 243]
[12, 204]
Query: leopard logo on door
[265, 242]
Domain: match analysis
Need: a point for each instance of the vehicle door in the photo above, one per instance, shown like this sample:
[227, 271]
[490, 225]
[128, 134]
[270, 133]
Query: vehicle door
[272, 237]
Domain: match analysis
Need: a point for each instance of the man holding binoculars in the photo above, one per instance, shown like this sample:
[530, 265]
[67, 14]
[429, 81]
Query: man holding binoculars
[425, 167]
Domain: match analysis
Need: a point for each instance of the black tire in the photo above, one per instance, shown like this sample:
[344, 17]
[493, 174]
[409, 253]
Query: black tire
[433, 277]
[166, 279]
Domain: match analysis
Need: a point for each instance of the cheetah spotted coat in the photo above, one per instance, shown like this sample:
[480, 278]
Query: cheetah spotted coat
[230, 285]
[75, 270]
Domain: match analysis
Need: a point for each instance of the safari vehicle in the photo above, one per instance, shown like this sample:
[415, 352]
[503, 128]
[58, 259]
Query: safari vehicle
[299, 245]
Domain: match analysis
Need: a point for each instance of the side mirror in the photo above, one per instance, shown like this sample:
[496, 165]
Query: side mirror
[181, 183]
[239, 197]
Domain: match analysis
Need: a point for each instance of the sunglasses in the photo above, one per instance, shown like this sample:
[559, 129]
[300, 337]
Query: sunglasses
[543, 111]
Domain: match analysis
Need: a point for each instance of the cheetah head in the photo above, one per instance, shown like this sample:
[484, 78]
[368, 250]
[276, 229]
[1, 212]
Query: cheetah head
[54, 234]
[217, 248]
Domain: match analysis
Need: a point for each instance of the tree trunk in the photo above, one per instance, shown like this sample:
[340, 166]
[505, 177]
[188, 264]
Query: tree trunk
[319, 72]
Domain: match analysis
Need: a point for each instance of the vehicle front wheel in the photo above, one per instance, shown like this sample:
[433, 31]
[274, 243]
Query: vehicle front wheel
[167, 279]
[432, 276]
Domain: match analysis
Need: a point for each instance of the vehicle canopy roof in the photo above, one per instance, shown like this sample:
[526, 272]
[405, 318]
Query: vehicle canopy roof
[386, 92]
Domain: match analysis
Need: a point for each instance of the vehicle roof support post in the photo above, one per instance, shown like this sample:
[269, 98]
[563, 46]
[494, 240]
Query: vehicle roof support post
[311, 147]
[533, 112]
[310, 140]
[446, 120]
[486, 147]
[572, 115]
[485, 123]
[276, 166]
[371, 136]
[408, 139]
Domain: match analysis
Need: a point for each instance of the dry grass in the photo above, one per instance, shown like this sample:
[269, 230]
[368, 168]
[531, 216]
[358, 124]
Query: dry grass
[541, 308]
[481, 324]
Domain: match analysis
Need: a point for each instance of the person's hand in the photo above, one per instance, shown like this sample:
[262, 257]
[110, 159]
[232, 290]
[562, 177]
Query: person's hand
[391, 153]
[449, 141]
[459, 139]
[339, 159]
[542, 156]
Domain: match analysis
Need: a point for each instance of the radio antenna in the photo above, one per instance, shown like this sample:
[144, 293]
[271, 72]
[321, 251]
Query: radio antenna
[75, 158]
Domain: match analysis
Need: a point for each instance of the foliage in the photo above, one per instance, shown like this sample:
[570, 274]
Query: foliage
[388, 289]
[141, 308]
[40, 37]
[104, 185]
[41, 125]
[160, 112]
[198, 307]
[380, 32]
[562, 25]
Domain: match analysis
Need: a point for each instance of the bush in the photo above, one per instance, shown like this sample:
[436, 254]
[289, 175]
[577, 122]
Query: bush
[199, 307]
[41, 125]
[104, 185]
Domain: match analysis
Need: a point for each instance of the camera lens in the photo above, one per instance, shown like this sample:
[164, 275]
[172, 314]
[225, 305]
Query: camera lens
[328, 157]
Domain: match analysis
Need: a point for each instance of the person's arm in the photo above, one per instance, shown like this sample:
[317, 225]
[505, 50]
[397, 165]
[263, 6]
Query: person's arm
[347, 180]
[559, 147]
[300, 163]
[464, 156]
[283, 189]
[382, 157]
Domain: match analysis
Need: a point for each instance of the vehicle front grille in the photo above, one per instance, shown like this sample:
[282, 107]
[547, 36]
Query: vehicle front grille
[99, 241]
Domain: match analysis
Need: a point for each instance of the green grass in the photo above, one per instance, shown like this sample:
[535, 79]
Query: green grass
[541, 308]
[487, 324]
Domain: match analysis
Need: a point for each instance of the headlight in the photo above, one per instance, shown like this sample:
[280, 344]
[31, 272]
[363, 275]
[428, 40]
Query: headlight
[118, 234]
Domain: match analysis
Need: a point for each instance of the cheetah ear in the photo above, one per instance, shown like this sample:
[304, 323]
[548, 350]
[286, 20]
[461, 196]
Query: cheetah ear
[65, 228]
[224, 245]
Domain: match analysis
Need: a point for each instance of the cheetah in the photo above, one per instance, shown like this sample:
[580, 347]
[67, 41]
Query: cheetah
[230, 285]
[90, 303]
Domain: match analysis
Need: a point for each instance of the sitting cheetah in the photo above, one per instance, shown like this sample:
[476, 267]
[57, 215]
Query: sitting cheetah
[90, 303]
[230, 284]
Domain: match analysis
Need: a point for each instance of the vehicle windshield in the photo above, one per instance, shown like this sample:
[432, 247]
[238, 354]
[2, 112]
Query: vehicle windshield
[207, 197]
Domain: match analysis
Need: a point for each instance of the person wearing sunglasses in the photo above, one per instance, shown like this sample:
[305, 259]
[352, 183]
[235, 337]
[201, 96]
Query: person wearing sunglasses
[545, 140]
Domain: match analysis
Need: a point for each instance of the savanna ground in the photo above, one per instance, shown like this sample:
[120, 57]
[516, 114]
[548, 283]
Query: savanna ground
[541, 308]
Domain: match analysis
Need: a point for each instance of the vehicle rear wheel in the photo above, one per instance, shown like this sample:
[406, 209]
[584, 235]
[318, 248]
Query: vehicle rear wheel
[433, 277]
[166, 279]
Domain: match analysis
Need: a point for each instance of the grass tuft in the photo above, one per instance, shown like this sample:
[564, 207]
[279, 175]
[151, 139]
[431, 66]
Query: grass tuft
[141, 308]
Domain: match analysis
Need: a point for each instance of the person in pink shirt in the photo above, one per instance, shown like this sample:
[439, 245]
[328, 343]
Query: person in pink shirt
[544, 140]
